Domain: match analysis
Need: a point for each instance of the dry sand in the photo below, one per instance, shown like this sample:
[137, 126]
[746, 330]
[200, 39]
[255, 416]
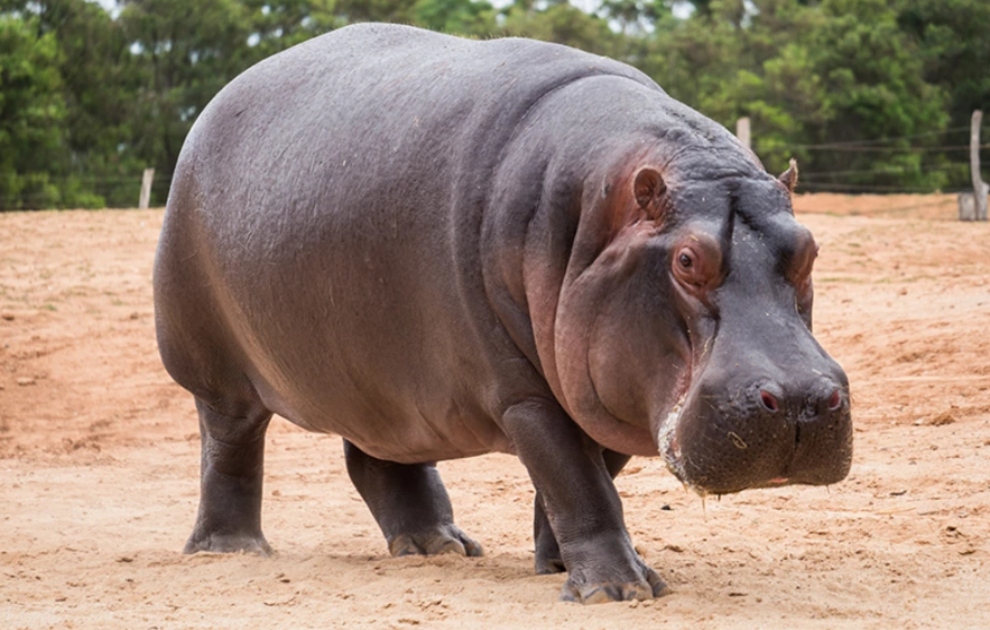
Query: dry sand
[99, 459]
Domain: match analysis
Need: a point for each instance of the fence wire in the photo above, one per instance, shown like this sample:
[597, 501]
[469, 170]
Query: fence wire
[117, 189]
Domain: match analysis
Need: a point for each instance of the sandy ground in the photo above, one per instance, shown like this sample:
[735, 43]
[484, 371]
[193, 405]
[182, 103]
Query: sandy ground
[99, 460]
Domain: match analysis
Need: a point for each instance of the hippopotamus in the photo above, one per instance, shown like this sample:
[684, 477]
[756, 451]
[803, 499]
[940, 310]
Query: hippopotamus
[437, 248]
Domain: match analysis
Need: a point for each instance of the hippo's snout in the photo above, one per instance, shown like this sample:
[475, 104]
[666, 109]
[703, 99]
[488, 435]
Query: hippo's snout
[824, 396]
[764, 432]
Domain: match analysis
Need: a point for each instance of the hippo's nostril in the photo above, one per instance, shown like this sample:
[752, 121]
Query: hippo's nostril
[768, 400]
[835, 400]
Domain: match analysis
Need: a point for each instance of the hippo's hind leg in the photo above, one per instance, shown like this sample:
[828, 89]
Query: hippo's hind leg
[547, 551]
[410, 504]
[233, 447]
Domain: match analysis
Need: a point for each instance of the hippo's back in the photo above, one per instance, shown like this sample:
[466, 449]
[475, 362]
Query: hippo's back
[371, 113]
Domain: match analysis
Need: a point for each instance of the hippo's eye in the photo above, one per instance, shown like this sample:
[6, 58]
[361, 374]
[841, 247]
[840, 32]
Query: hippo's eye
[696, 263]
[690, 268]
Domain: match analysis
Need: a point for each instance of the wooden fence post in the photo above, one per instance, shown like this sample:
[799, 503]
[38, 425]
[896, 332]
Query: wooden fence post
[146, 179]
[742, 132]
[979, 187]
[967, 206]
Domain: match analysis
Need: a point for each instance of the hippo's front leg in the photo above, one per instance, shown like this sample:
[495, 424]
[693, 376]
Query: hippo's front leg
[547, 550]
[581, 505]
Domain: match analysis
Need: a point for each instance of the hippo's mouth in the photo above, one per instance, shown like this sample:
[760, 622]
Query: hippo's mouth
[670, 449]
[666, 431]
[711, 451]
[676, 462]
[669, 446]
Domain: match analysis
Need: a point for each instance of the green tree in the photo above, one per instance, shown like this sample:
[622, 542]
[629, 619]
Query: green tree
[462, 17]
[955, 50]
[98, 82]
[187, 51]
[808, 75]
[858, 90]
[33, 170]
[635, 17]
[561, 23]
[352, 11]
[874, 87]
[277, 24]
[98, 74]
[759, 65]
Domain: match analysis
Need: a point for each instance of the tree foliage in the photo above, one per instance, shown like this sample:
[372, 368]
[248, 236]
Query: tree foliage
[866, 93]
[32, 109]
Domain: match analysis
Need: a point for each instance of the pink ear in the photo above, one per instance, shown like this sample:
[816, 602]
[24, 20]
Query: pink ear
[648, 186]
[789, 177]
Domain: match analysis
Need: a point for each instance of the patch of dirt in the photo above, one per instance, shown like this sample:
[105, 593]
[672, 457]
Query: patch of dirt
[99, 456]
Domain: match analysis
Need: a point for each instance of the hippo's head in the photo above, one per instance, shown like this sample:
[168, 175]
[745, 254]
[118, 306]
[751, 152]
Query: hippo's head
[691, 319]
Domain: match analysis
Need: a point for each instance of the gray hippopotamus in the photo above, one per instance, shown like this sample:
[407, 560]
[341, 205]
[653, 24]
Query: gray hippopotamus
[437, 248]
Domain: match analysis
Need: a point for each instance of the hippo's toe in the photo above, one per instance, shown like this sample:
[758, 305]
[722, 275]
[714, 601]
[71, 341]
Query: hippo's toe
[594, 592]
[222, 543]
[443, 539]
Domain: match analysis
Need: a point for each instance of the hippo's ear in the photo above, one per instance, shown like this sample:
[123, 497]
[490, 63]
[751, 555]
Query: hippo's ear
[648, 186]
[789, 177]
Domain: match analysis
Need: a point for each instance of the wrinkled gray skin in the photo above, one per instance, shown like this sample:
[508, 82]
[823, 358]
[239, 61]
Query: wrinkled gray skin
[438, 248]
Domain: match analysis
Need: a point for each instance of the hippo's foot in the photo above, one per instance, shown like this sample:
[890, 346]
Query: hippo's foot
[442, 539]
[585, 589]
[228, 543]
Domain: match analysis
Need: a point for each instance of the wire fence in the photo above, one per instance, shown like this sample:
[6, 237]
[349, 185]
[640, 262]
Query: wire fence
[122, 190]
[853, 143]
[929, 174]
[84, 191]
